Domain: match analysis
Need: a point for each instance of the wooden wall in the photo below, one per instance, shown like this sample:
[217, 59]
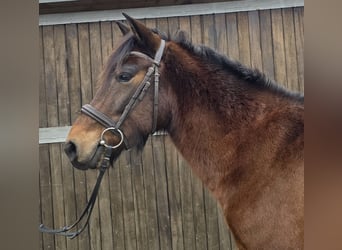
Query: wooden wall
[149, 200]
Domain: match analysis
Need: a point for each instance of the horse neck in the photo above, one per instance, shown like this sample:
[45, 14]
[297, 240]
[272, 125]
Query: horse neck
[211, 112]
[239, 140]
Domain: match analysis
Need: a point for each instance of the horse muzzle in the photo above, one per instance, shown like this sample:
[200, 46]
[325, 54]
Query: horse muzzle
[71, 150]
[93, 161]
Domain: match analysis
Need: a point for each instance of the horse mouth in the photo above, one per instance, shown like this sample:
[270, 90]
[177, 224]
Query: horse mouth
[96, 159]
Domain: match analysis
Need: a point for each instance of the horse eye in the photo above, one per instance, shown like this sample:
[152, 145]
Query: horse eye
[124, 77]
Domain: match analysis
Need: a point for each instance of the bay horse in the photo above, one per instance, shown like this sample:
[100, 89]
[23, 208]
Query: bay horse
[241, 133]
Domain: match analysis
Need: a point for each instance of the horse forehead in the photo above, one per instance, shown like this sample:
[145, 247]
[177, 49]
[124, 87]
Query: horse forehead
[139, 62]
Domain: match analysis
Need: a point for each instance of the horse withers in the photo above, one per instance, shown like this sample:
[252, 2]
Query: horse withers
[241, 133]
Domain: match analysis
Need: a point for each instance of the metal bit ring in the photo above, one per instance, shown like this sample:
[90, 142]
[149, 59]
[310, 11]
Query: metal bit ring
[103, 142]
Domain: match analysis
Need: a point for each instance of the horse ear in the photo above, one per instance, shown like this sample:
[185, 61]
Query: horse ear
[144, 34]
[123, 27]
[181, 36]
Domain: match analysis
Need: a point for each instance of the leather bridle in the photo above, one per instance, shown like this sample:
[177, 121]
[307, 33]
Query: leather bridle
[115, 127]
[138, 95]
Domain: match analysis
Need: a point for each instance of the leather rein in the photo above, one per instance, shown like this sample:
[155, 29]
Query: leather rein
[115, 127]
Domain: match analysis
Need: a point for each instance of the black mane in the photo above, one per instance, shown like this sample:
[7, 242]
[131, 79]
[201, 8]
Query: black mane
[249, 75]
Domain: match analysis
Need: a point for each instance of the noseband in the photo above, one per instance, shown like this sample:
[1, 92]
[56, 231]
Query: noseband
[114, 127]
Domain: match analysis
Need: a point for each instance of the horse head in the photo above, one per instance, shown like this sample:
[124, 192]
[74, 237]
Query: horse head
[129, 98]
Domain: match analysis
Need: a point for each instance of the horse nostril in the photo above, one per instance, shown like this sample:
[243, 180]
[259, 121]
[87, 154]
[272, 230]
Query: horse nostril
[70, 150]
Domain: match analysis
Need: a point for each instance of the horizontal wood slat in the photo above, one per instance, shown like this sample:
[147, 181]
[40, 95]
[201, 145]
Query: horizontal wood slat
[59, 134]
[167, 11]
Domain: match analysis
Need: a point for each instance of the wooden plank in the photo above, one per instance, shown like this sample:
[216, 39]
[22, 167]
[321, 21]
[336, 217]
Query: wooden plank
[73, 69]
[211, 220]
[42, 94]
[85, 70]
[278, 47]
[128, 201]
[61, 76]
[50, 77]
[162, 25]
[184, 24]
[95, 54]
[106, 40]
[232, 36]
[196, 28]
[116, 207]
[150, 197]
[81, 201]
[243, 32]
[220, 26]
[139, 200]
[299, 34]
[186, 204]
[199, 220]
[226, 238]
[105, 214]
[41, 240]
[199, 215]
[290, 49]
[209, 31]
[94, 222]
[57, 193]
[46, 196]
[116, 35]
[173, 23]
[254, 39]
[173, 184]
[266, 43]
[161, 192]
